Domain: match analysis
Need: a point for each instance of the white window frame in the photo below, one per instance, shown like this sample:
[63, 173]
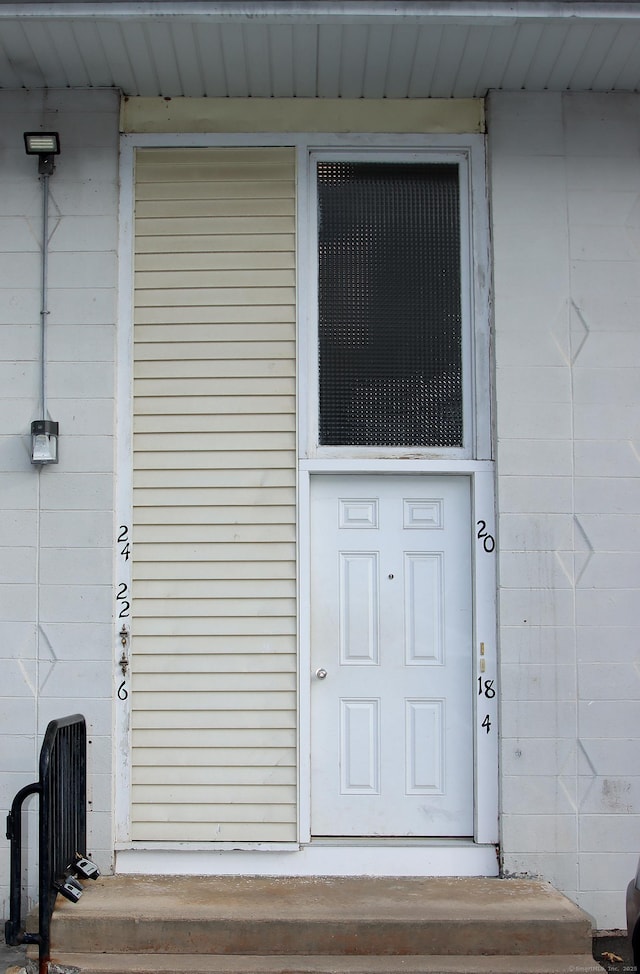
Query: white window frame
[460, 159]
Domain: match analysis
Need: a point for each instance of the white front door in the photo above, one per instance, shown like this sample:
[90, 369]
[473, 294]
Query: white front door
[391, 654]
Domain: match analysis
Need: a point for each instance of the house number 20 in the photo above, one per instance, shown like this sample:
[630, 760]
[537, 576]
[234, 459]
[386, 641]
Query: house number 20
[488, 540]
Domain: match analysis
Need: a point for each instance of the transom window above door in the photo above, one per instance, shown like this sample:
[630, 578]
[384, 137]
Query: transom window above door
[391, 331]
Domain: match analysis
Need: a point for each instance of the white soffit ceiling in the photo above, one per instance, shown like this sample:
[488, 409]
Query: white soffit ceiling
[352, 49]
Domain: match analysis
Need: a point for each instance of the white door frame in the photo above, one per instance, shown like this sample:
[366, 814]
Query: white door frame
[431, 859]
[475, 460]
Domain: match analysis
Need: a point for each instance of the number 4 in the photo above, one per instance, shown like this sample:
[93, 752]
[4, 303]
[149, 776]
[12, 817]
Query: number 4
[486, 723]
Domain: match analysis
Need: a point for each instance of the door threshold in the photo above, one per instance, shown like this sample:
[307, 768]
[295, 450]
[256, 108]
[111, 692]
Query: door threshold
[346, 858]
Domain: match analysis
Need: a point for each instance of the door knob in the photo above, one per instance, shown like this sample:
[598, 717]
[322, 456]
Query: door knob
[321, 673]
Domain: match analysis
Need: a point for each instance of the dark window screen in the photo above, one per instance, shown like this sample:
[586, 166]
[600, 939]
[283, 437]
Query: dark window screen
[390, 341]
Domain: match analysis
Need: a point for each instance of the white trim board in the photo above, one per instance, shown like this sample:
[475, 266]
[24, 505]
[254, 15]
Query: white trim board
[458, 857]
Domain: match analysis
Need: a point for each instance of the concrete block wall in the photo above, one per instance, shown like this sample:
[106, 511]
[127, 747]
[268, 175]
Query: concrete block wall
[56, 523]
[564, 175]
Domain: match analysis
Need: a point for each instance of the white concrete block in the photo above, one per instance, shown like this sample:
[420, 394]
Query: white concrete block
[611, 532]
[601, 125]
[21, 342]
[598, 717]
[536, 532]
[542, 718]
[610, 570]
[20, 271]
[547, 794]
[524, 124]
[15, 451]
[82, 451]
[87, 307]
[602, 208]
[99, 755]
[531, 191]
[536, 607]
[74, 566]
[597, 175]
[80, 380]
[538, 756]
[18, 715]
[97, 712]
[76, 529]
[607, 293]
[537, 681]
[18, 528]
[609, 681]
[538, 569]
[606, 495]
[77, 492]
[535, 495]
[83, 270]
[559, 869]
[22, 194]
[81, 343]
[601, 243]
[618, 642]
[19, 753]
[606, 907]
[531, 281]
[606, 870]
[608, 607]
[84, 680]
[18, 236]
[18, 639]
[99, 792]
[20, 678]
[18, 603]
[609, 833]
[608, 350]
[616, 458]
[597, 421]
[75, 603]
[536, 458]
[549, 421]
[532, 385]
[81, 234]
[19, 379]
[95, 418]
[607, 756]
[538, 833]
[80, 641]
[538, 644]
[18, 565]
[534, 347]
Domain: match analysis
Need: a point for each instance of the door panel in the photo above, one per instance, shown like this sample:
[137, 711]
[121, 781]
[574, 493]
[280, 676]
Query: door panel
[392, 735]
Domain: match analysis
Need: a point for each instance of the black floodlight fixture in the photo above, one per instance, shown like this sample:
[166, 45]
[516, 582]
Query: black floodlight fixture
[44, 145]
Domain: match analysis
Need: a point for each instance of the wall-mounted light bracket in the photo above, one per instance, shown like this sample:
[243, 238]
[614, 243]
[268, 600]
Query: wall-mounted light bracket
[44, 441]
[44, 145]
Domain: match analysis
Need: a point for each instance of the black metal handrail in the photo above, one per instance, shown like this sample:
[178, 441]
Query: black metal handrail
[62, 792]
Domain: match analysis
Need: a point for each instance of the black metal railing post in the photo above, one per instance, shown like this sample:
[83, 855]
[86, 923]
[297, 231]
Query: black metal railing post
[62, 792]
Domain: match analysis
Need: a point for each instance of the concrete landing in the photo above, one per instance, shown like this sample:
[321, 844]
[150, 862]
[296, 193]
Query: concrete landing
[223, 925]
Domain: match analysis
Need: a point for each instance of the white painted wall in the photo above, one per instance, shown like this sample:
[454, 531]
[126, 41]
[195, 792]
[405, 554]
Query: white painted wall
[56, 524]
[565, 190]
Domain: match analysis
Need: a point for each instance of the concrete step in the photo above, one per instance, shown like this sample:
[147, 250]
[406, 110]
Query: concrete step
[319, 916]
[82, 963]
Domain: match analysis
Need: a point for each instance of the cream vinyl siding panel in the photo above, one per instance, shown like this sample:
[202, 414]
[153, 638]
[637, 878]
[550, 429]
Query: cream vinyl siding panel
[214, 586]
